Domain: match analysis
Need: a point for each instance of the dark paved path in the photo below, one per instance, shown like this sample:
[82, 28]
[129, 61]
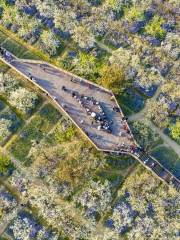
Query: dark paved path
[53, 81]
[61, 87]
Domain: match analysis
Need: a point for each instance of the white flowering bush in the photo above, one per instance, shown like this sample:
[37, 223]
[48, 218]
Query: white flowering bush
[171, 45]
[18, 181]
[5, 125]
[7, 83]
[7, 203]
[26, 227]
[49, 42]
[23, 99]
[56, 213]
[95, 198]
[122, 217]
[9, 123]
[19, 97]
[83, 37]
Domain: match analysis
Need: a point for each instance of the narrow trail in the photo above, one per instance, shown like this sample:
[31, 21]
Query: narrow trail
[166, 139]
[140, 114]
[105, 47]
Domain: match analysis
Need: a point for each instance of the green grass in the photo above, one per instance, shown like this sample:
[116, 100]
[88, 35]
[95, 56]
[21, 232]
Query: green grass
[25, 46]
[14, 47]
[120, 163]
[30, 55]
[5, 238]
[3, 67]
[38, 127]
[115, 170]
[2, 37]
[168, 158]
[2, 105]
[126, 110]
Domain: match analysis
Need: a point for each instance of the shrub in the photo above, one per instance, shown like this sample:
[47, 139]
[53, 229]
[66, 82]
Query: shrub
[113, 78]
[7, 83]
[64, 136]
[154, 28]
[49, 42]
[23, 99]
[5, 163]
[175, 130]
[133, 13]
[5, 125]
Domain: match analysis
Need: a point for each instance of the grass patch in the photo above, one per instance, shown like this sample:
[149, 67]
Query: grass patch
[36, 52]
[2, 105]
[3, 67]
[14, 47]
[38, 127]
[15, 123]
[5, 238]
[2, 37]
[115, 170]
[30, 55]
[168, 158]
[132, 99]
[120, 162]
[126, 110]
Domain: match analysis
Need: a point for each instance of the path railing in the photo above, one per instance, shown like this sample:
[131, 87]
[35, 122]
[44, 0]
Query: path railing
[156, 168]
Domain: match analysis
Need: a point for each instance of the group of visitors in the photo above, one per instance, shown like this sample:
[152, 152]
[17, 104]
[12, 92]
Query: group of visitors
[93, 108]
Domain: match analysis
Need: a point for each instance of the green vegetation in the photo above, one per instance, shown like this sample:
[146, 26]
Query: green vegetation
[130, 47]
[31, 135]
[3, 67]
[13, 47]
[168, 158]
[175, 130]
[133, 13]
[154, 28]
[112, 77]
[144, 135]
[66, 135]
[5, 163]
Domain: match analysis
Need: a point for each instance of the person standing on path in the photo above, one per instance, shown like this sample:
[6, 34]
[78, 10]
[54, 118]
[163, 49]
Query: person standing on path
[42, 67]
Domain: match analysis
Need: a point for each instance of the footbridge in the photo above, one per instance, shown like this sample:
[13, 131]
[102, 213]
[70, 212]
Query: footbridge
[92, 108]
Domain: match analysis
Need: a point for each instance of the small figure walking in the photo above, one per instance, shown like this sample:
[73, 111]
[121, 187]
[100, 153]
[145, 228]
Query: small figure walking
[42, 67]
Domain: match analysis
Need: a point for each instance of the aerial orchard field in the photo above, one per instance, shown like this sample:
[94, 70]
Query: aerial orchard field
[53, 183]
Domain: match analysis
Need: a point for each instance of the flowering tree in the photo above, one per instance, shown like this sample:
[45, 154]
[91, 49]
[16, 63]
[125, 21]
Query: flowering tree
[5, 125]
[23, 99]
[83, 37]
[95, 198]
[7, 83]
[49, 42]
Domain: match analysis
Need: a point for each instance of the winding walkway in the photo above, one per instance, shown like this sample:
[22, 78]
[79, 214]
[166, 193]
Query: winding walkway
[141, 114]
[166, 139]
[60, 85]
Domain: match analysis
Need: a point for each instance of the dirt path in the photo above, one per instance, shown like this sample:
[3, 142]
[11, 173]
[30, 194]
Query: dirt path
[166, 139]
[140, 114]
[105, 47]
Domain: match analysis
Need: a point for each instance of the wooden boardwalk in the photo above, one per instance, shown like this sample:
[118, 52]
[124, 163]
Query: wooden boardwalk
[93, 109]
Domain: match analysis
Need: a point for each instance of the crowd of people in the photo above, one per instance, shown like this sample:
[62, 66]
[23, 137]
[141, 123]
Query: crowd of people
[93, 108]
